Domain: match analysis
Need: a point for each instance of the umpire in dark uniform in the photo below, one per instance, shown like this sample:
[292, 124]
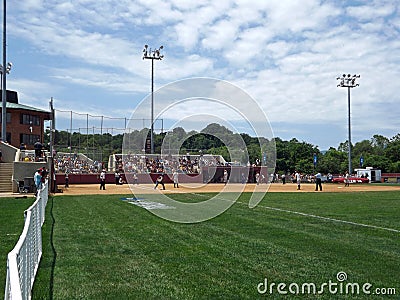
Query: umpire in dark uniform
[160, 180]
[318, 181]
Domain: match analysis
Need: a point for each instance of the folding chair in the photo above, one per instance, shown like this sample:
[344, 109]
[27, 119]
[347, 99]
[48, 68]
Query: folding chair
[22, 189]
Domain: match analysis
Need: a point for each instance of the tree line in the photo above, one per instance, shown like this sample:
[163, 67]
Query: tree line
[378, 152]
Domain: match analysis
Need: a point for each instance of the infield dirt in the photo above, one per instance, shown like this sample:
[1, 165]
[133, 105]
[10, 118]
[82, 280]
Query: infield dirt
[87, 189]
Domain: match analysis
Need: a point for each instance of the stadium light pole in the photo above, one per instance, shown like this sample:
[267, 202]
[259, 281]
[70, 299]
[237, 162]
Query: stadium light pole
[155, 54]
[348, 81]
[4, 71]
[5, 68]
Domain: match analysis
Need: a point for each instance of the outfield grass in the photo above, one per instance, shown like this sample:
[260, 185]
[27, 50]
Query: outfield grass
[99, 247]
[11, 225]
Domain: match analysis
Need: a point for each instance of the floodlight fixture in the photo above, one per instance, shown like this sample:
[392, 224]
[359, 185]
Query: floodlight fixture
[348, 81]
[155, 54]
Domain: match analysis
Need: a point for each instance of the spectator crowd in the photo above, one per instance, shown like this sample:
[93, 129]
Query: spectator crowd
[189, 164]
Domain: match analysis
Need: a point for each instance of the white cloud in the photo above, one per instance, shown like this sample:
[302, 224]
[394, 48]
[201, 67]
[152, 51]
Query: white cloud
[286, 54]
[220, 36]
[368, 12]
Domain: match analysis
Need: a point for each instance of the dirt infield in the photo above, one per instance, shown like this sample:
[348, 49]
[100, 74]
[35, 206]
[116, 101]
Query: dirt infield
[88, 189]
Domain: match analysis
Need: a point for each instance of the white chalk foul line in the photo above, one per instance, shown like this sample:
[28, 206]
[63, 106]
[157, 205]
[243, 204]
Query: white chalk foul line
[316, 216]
[303, 214]
[325, 218]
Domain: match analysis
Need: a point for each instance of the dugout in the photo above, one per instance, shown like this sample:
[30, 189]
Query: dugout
[374, 175]
[390, 177]
[214, 174]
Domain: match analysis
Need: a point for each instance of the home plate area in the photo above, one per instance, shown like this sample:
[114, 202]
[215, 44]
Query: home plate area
[149, 205]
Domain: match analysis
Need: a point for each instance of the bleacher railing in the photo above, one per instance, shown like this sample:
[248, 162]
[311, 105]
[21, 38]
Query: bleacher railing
[23, 260]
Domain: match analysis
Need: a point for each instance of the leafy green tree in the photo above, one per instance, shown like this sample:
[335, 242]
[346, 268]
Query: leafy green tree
[254, 152]
[333, 161]
[378, 162]
[392, 152]
[379, 143]
[223, 151]
[301, 152]
[362, 148]
[394, 167]
[304, 166]
[217, 130]
[344, 147]
[281, 165]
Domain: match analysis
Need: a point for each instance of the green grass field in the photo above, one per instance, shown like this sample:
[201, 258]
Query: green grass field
[99, 247]
[11, 225]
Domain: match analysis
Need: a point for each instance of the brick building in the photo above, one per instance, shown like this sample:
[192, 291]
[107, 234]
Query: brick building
[25, 124]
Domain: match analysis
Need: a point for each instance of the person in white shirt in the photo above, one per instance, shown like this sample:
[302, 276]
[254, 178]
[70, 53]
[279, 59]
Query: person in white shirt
[175, 177]
[347, 179]
[297, 175]
[318, 181]
[225, 177]
[257, 178]
[103, 180]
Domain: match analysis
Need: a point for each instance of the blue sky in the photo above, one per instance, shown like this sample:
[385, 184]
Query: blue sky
[87, 55]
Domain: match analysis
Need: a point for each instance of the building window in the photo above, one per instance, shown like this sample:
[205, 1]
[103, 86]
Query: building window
[8, 117]
[29, 139]
[30, 120]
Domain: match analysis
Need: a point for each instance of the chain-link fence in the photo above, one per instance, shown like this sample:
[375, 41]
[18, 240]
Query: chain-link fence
[96, 137]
